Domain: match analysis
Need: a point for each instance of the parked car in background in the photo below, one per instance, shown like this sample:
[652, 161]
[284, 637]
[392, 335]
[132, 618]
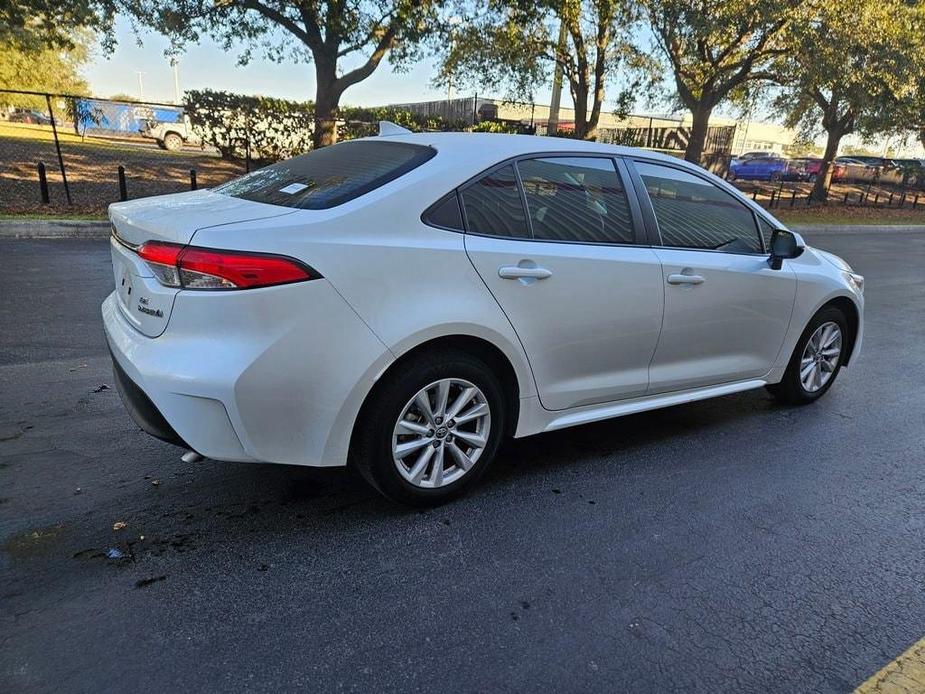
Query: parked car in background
[759, 154]
[810, 168]
[761, 169]
[171, 135]
[403, 303]
[21, 115]
[859, 170]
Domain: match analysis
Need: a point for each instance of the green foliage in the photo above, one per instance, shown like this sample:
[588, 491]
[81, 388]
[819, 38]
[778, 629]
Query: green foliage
[512, 47]
[852, 81]
[355, 121]
[42, 70]
[716, 49]
[83, 113]
[274, 129]
[713, 47]
[856, 79]
[35, 25]
[323, 32]
[496, 126]
[238, 125]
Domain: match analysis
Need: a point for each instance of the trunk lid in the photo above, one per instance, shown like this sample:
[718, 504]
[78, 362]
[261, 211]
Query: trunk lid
[175, 218]
[143, 301]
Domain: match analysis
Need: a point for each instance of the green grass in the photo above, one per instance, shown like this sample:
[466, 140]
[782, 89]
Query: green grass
[864, 217]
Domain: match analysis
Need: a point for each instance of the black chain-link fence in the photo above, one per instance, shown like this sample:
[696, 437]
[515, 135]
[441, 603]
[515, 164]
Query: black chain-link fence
[60, 153]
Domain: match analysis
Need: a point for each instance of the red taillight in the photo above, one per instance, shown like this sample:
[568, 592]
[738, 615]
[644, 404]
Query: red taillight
[205, 268]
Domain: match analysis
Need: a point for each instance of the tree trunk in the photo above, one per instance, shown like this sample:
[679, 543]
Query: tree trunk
[922, 136]
[327, 99]
[698, 139]
[824, 179]
[580, 99]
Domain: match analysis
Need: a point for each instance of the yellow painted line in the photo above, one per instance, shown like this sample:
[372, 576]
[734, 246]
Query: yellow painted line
[905, 675]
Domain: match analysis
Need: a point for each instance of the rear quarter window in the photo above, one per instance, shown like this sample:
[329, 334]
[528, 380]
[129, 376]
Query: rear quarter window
[329, 176]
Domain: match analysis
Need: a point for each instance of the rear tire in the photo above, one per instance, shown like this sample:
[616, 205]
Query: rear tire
[814, 365]
[172, 142]
[444, 457]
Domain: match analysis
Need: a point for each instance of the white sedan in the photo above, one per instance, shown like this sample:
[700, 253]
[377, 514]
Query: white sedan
[402, 303]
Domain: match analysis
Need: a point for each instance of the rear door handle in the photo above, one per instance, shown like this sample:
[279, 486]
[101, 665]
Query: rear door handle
[685, 279]
[516, 272]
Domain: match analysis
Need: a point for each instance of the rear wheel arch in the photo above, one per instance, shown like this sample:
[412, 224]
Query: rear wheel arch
[481, 348]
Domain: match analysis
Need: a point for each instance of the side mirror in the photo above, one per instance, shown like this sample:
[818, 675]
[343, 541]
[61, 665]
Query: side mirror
[784, 244]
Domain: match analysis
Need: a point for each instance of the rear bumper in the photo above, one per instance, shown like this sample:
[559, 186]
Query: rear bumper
[268, 375]
[142, 410]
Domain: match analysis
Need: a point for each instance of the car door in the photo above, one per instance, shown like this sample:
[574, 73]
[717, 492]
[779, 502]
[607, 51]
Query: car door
[559, 254]
[726, 310]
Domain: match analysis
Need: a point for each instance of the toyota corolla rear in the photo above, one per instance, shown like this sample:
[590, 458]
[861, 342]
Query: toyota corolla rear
[227, 337]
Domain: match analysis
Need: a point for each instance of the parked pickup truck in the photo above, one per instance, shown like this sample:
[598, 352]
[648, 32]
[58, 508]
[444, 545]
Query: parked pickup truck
[171, 135]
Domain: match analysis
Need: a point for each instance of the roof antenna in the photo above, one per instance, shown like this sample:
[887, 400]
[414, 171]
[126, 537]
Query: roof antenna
[387, 129]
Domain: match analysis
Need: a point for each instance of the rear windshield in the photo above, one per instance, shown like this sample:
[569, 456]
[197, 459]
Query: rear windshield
[329, 176]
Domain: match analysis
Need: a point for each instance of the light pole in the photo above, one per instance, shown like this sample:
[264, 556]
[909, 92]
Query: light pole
[175, 64]
[141, 86]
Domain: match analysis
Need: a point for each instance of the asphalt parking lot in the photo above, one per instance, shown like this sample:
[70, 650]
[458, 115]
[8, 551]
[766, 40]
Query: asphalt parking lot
[728, 545]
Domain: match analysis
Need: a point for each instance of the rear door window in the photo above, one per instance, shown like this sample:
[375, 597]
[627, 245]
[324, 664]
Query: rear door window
[576, 199]
[329, 176]
[494, 206]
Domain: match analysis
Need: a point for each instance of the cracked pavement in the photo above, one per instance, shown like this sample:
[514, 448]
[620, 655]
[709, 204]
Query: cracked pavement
[727, 545]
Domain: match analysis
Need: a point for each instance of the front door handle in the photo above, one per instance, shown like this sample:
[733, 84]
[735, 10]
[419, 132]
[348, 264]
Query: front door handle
[517, 272]
[685, 279]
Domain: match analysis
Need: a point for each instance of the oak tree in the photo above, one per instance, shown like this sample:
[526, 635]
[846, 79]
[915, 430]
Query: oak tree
[853, 64]
[513, 46]
[327, 33]
[715, 47]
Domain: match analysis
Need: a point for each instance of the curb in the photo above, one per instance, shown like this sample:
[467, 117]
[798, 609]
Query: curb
[53, 229]
[859, 228]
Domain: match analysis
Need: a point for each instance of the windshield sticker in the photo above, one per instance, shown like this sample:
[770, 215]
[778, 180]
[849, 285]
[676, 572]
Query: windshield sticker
[293, 188]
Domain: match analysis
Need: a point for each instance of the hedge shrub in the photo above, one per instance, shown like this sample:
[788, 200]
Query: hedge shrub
[271, 129]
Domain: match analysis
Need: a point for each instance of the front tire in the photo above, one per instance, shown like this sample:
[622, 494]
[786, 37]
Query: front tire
[817, 359]
[172, 142]
[431, 429]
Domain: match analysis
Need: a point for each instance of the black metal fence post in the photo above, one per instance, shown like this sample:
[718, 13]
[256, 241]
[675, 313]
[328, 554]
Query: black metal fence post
[54, 131]
[123, 189]
[43, 183]
[192, 179]
[793, 198]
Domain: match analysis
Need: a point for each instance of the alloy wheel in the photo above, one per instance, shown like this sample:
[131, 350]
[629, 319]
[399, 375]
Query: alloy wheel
[820, 357]
[441, 433]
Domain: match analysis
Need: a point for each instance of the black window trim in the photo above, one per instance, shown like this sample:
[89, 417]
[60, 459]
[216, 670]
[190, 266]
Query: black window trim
[425, 215]
[640, 236]
[652, 227]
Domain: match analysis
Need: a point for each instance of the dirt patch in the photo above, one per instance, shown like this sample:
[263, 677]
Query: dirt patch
[92, 166]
